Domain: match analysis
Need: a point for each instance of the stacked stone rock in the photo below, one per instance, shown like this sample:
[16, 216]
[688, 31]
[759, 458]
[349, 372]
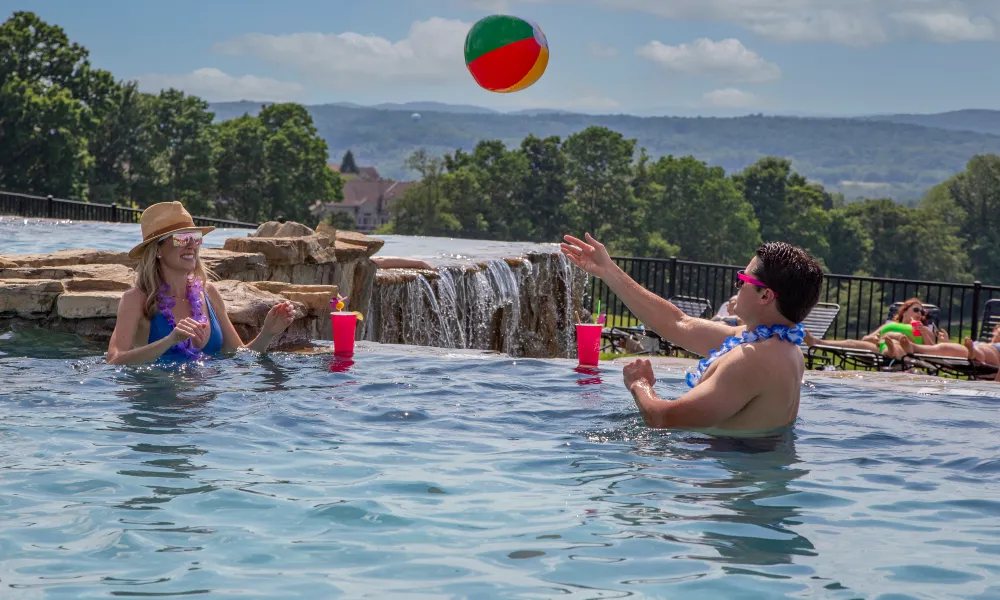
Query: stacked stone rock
[78, 291]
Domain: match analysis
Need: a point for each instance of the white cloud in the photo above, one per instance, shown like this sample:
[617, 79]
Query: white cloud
[432, 53]
[600, 51]
[729, 98]
[727, 59]
[217, 86]
[846, 22]
[946, 27]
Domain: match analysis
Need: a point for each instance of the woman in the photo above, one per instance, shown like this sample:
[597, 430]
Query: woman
[988, 353]
[911, 310]
[173, 309]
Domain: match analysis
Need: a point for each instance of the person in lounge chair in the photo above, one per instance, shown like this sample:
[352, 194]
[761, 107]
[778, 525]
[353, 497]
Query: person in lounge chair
[726, 314]
[752, 377]
[987, 353]
[911, 310]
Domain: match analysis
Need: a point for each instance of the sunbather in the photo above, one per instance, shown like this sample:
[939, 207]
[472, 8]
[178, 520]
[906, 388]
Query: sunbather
[911, 310]
[987, 353]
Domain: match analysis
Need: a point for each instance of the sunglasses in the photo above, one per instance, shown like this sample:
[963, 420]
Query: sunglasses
[918, 310]
[742, 277]
[185, 238]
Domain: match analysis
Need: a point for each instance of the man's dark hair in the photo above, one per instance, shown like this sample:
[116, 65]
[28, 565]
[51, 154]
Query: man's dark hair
[793, 275]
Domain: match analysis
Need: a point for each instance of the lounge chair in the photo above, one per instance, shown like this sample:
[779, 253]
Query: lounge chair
[849, 358]
[817, 323]
[962, 368]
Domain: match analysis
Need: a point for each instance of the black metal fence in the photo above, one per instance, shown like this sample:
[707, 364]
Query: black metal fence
[864, 301]
[47, 207]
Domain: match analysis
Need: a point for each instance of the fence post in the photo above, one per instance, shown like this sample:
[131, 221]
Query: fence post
[977, 288]
[672, 286]
[114, 213]
[50, 206]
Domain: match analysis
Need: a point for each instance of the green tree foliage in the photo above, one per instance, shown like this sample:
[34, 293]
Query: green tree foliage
[183, 142]
[341, 220]
[600, 200]
[970, 201]
[850, 245]
[787, 206]
[70, 130]
[681, 207]
[297, 172]
[241, 168]
[47, 95]
[347, 165]
[425, 209]
[911, 243]
[699, 211]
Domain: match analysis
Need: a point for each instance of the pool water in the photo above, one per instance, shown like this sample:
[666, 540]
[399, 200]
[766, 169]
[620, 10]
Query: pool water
[421, 472]
[19, 235]
[415, 472]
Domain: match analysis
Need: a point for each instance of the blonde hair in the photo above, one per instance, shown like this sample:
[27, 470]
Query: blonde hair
[149, 279]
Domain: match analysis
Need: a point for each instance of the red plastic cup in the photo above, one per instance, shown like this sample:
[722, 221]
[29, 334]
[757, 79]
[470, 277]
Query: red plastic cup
[588, 343]
[344, 325]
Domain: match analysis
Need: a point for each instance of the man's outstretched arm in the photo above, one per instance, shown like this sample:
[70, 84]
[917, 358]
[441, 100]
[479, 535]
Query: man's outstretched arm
[700, 336]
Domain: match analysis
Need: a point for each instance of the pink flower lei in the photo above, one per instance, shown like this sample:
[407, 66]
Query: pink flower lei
[194, 296]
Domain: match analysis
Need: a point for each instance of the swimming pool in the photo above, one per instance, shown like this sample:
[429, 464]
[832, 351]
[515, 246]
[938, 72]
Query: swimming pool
[420, 472]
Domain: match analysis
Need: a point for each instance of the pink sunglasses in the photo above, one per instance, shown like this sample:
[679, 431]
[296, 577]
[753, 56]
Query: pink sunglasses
[742, 277]
[185, 238]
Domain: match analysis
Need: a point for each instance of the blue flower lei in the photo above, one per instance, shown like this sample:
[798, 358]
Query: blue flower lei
[795, 335]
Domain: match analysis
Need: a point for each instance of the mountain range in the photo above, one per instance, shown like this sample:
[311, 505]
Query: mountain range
[898, 156]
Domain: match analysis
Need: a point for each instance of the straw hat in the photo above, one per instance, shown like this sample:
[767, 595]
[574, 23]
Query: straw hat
[162, 219]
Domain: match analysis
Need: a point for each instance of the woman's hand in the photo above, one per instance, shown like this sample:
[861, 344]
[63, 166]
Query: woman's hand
[193, 330]
[278, 318]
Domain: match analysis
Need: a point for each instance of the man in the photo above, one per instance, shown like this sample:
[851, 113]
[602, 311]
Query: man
[755, 386]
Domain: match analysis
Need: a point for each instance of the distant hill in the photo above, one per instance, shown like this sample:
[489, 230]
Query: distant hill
[977, 120]
[873, 156]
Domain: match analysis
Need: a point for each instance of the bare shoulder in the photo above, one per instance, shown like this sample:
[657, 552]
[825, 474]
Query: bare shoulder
[133, 298]
[764, 360]
[214, 294]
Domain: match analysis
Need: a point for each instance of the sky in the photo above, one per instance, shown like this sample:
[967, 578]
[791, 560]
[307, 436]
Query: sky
[708, 57]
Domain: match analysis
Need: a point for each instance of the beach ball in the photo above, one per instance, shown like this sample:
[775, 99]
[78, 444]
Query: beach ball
[506, 54]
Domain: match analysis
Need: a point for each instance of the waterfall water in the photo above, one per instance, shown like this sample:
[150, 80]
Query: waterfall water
[521, 307]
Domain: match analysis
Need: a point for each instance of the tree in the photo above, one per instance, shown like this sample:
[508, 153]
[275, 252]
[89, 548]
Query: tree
[48, 97]
[122, 147]
[788, 208]
[42, 145]
[347, 165]
[976, 193]
[698, 212]
[909, 243]
[297, 172]
[599, 165]
[850, 246]
[500, 176]
[424, 209]
[542, 211]
[241, 169]
[182, 141]
[341, 220]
